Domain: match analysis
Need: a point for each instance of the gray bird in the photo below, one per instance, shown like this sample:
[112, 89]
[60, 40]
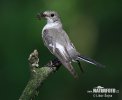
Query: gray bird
[59, 44]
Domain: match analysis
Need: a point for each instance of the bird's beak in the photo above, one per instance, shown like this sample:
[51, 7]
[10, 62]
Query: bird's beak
[41, 15]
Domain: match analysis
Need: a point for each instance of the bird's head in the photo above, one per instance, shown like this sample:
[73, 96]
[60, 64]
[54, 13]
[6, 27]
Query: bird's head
[51, 16]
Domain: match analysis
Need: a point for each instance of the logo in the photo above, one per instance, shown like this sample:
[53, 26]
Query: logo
[100, 91]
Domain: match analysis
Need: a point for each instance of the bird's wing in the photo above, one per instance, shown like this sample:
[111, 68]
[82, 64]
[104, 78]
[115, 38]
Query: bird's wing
[57, 45]
[53, 36]
[61, 54]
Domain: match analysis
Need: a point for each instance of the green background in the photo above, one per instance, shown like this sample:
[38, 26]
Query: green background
[95, 28]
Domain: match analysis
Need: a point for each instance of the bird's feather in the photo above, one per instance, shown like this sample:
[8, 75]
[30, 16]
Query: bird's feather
[89, 60]
[63, 57]
[58, 46]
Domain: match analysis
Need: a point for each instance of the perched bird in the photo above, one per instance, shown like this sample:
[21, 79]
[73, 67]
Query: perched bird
[59, 44]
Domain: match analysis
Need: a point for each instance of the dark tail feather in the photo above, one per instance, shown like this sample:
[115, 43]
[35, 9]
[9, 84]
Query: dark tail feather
[89, 60]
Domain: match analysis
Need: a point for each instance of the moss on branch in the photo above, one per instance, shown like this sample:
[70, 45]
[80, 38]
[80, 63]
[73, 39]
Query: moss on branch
[38, 75]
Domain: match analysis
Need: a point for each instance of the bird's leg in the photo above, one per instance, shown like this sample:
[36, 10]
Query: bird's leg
[54, 63]
[79, 64]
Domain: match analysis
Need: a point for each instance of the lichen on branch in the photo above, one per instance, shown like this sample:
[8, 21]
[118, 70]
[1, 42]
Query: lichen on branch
[38, 75]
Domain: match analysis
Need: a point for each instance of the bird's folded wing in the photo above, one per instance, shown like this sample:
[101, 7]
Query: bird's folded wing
[62, 55]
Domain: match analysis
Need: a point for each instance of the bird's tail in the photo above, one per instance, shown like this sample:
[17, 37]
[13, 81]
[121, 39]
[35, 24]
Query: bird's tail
[89, 60]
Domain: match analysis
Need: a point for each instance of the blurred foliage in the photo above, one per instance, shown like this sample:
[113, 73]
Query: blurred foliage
[95, 28]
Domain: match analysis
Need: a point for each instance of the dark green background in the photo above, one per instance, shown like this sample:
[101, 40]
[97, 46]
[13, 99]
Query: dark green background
[95, 28]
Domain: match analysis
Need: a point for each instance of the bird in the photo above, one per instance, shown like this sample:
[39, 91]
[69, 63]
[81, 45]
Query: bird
[59, 44]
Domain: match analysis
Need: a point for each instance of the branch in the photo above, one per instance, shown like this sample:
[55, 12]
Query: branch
[38, 75]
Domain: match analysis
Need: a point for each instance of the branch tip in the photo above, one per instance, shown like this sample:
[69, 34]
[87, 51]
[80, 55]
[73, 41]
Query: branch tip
[33, 59]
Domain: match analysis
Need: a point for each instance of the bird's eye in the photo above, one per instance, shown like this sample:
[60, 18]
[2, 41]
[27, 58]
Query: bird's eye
[52, 15]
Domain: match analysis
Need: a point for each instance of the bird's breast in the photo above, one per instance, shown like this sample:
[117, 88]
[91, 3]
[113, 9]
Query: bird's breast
[51, 25]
